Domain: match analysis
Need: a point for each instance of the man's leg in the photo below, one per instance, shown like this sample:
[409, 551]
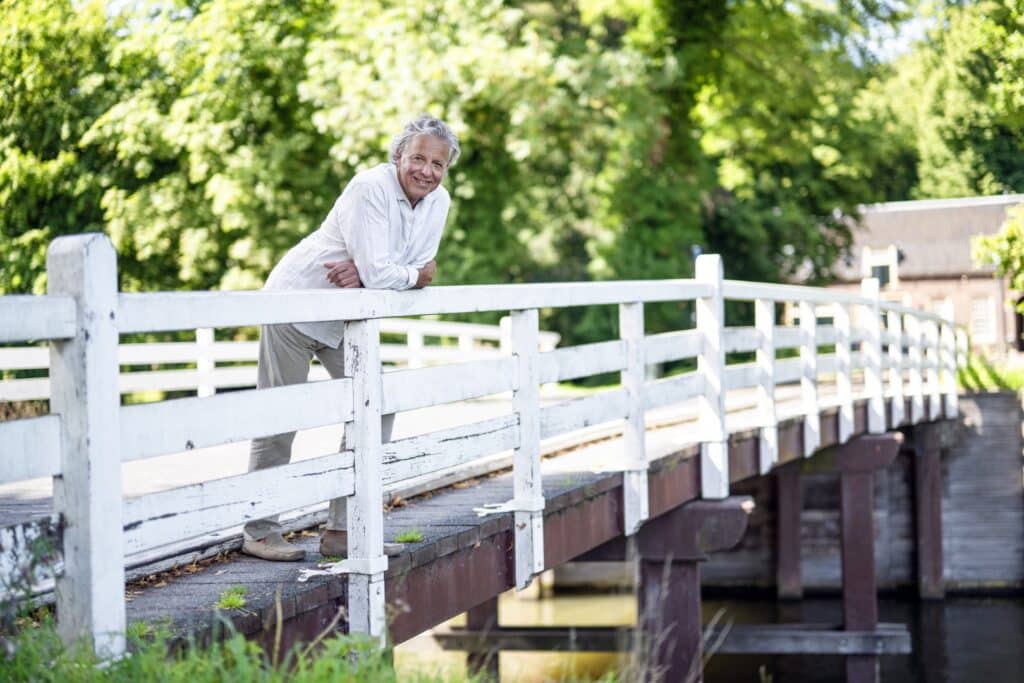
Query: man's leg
[284, 357]
[334, 541]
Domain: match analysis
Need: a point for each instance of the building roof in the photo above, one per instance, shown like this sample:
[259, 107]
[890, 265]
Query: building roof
[934, 234]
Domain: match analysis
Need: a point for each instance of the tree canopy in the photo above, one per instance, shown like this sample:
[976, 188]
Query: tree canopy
[602, 138]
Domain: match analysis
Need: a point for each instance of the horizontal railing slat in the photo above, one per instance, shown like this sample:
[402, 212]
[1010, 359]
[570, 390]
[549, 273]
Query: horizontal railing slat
[788, 337]
[671, 390]
[669, 346]
[788, 370]
[24, 389]
[157, 519]
[425, 387]
[184, 380]
[741, 376]
[152, 429]
[427, 453]
[824, 335]
[396, 353]
[826, 363]
[185, 310]
[739, 339]
[29, 448]
[578, 413]
[440, 328]
[31, 318]
[750, 291]
[159, 352]
[25, 358]
[904, 310]
[573, 362]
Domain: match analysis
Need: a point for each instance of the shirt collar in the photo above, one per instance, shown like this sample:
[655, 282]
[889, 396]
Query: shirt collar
[400, 193]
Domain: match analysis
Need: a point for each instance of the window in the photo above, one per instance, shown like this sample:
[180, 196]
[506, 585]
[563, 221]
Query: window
[983, 320]
[883, 264]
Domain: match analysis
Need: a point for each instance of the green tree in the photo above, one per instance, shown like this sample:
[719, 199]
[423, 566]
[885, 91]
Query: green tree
[1004, 249]
[602, 139]
[57, 77]
[226, 167]
[966, 111]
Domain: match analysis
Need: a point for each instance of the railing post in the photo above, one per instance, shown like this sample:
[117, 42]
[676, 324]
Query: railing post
[871, 352]
[204, 362]
[931, 354]
[528, 501]
[466, 344]
[714, 447]
[947, 360]
[764, 322]
[414, 346]
[914, 379]
[634, 475]
[844, 366]
[87, 493]
[366, 506]
[809, 377]
[895, 325]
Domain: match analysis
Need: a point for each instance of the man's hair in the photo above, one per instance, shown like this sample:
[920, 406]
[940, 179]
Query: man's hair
[425, 124]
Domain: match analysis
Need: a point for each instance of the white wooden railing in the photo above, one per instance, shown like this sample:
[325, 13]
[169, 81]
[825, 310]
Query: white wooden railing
[455, 341]
[88, 435]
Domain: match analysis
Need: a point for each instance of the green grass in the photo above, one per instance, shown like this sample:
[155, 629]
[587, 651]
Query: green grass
[37, 655]
[331, 558]
[233, 598]
[410, 536]
[982, 375]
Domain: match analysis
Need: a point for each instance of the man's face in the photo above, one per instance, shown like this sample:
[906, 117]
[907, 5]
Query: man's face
[421, 166]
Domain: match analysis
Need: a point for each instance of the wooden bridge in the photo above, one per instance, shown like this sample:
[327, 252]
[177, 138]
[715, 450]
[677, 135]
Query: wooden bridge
[839, 383]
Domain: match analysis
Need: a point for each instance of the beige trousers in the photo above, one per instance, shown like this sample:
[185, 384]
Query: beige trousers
[284, 357]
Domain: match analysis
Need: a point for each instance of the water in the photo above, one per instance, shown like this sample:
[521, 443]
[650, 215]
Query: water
[961, 640]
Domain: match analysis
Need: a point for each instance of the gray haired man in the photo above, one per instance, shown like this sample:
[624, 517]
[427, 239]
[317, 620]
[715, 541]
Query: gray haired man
[382, 233]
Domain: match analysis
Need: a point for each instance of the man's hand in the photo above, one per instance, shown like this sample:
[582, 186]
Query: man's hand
[426, 275]
[343, 274]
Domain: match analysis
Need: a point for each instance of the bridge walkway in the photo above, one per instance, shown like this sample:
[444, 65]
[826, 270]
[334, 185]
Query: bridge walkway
[463, 559]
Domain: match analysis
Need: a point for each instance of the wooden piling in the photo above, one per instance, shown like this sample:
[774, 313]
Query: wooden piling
[670, 549]
[788, 505]
[928, 510]
[857, 461]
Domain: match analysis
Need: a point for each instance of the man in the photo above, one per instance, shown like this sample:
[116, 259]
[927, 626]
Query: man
[382, 233]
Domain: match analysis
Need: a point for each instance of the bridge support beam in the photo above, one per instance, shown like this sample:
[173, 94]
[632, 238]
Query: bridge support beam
[669, 550]
[788, 505]
[857, 461]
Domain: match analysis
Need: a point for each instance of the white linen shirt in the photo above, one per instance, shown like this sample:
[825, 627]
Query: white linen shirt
[374, 225]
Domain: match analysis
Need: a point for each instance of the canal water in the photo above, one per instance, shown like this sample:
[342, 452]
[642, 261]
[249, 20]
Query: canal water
[960, 640]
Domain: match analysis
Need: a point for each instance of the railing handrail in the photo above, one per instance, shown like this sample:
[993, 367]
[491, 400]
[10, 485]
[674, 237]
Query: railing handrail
[87, 355]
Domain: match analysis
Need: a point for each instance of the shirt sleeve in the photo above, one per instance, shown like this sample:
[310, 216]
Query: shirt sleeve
[366, 229]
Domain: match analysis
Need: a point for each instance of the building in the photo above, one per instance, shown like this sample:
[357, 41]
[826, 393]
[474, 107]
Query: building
[921, 253]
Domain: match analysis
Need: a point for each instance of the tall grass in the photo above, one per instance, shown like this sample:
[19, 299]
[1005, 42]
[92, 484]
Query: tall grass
[37, 654]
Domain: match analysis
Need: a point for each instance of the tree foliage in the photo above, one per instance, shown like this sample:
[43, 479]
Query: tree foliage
[602, 138]
[1004, 249]
[961, 99]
